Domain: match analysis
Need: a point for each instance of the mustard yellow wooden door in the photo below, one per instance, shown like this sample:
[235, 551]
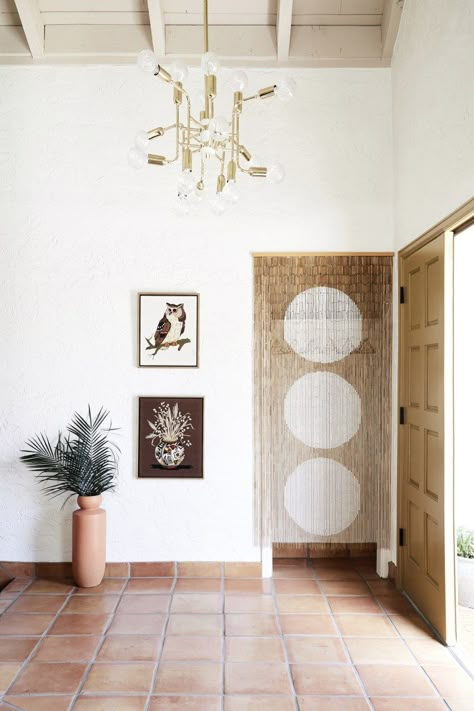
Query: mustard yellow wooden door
[426, 551]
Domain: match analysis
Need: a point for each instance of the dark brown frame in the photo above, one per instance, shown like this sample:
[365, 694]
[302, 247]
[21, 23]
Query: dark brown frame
[173, 474]
[173, 294]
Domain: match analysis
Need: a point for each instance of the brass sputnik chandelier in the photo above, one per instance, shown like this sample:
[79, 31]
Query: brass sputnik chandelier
[211, 145]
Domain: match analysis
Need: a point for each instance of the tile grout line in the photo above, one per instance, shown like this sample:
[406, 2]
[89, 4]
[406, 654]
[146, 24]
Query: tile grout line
[223, 644]
[40, 640]
[100, 643]
[163, 640]
[343, 643]
[283, 644]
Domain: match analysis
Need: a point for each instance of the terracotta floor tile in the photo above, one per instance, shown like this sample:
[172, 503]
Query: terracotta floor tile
[302, 604]
[293, 571]
[117, 570]
[451, 681]
[185, 703]
[348, 604]
[197, 603]
[344, 587]
[198, 585]
[394, 680]
[251, 625]
[407, 704]
[40, 703]
[344, 574]
[18, 624]
[192, 649]
[137, 624]
[365, 650]
[80, 624]
[295, 586]
[365, 626]
[17, 585]
[130, 648]
[16, 649]
[308, 624]
[334, 703]
[254, 649]
[430, 651]
[108, 586]
[38, 603]
[144, 604]
[8, 671]
[395, 604]
[67, 649]
[242, 570]
[199, 570]
[110, 703]
[456, 704]
[303, 650]
[149, 585]
[188, 678]
[411, 626]
[97, 604]
[117, 677]
[57, 587]
[203, 625]
[382, 587]
[259, 703]
[45, 678]
[250, 603]
[248, 585]
[257, 678]
[323, 679]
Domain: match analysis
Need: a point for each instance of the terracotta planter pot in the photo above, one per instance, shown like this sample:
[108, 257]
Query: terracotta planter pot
[88, 542]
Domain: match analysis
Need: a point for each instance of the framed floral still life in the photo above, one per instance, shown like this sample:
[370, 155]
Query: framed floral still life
[168, 330]
[170, 436]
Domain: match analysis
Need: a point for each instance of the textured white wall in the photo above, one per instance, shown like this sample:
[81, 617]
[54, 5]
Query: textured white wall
[81, 233]
[433, 113]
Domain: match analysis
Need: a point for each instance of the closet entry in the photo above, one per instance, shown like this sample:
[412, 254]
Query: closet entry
[323, 326]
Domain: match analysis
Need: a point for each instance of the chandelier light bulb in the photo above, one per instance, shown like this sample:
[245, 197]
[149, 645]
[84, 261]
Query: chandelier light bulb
[239, 80]
[179, 71]
[285, 89]
[219, 204]
[230, 192]
[186, 185]
[276, 173]
[210, 63]
[141, 141]
[219, 129]
[146, 60]
[182, 206]
[137, 158]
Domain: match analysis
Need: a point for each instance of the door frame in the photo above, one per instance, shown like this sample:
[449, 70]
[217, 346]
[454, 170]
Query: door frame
[455, 221]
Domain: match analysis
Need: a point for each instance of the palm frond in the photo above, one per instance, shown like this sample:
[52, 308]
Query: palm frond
[84, 462]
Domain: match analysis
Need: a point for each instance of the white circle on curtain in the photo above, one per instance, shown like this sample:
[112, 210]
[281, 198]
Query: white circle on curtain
[323, 325]
[322, 497]
[322, 410]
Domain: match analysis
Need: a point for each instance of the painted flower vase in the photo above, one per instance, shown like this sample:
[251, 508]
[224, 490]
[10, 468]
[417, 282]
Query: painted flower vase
[170, 454]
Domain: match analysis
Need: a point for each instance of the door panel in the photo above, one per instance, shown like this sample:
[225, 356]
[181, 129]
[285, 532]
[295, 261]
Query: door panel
[425, 478]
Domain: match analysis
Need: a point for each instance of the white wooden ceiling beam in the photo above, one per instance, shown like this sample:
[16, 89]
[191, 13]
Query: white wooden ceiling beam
[33, 26]
[157, 27]
[390, 24]
[283, 29]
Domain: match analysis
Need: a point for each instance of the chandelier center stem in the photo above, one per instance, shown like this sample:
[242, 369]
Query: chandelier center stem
[206, 27]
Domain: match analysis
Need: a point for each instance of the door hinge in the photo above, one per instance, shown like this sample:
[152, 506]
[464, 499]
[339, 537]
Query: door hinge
[402, 294]
[402, 415]
[401, 536]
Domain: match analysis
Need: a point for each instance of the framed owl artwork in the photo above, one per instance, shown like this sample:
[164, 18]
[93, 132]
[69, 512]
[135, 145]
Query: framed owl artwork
[168, 330]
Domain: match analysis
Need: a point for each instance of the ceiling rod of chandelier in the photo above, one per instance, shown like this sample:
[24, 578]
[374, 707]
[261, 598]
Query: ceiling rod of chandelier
[210, 137]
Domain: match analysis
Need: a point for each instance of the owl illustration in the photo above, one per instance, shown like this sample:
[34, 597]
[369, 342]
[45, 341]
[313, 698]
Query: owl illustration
[171, 327]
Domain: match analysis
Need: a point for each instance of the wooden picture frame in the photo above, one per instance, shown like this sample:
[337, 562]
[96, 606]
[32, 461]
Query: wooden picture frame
[170, 437]
[168, 330]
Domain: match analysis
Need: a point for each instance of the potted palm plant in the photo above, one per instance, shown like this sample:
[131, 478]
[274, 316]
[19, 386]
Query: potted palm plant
[82, 462]
[465, 550]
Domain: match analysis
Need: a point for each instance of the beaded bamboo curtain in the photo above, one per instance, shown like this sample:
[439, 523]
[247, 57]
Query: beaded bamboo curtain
[323, 342]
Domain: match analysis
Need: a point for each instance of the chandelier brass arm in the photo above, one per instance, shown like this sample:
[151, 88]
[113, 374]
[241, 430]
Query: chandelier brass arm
[212, 138]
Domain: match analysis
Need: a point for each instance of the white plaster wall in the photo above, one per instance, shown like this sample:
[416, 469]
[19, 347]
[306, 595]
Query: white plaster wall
[81, 233]
[433, 113]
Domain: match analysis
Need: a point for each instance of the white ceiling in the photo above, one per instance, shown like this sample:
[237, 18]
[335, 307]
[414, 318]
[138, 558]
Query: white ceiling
[300, 33]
